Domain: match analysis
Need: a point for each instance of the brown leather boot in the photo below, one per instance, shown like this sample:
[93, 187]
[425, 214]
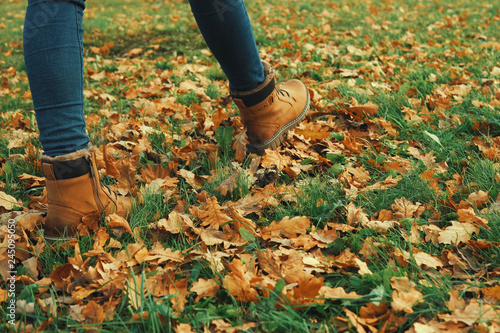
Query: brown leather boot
[73, 191]
[268, 112]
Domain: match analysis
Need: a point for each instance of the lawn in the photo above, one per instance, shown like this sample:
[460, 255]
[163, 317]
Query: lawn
[380, 212]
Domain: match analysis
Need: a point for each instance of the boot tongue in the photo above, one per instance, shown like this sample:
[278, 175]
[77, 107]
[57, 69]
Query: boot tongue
[70, 169]
[258, 96]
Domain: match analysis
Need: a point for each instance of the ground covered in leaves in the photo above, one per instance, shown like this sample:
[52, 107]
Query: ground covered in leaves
[379, 212]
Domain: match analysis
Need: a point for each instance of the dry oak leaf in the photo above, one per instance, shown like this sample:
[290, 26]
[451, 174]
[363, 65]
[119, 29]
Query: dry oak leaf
[313, 131]
[477, 199]
[363, 267]
[269, 263]
[425, 259]
[240, 145]
[225, 327]
[403, 208]
[229, 184]
[469, 215]
[159, 254]
[118, 225]
[337, 293]
[195, 181]
[380, 225]
[228, 238]
[359, 111]
[388, 126]
[274, 158]
[8, 201]
[287, 227]
[350, 143]
[307, 290]
[176, 223]
[491, 294]
[355, 215]
[383, 185]
[472, 313]
[183, 328]
[205, 288]
[458, 232]
[211, 214]
[358, 322]
[239, 282]
[405, 295]
[422, 259]
[93, 313]
[3, 295]
[455, 302]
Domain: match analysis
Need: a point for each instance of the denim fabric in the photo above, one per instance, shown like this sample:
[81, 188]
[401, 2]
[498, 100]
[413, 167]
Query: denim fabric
[53, 52]
[226, 28]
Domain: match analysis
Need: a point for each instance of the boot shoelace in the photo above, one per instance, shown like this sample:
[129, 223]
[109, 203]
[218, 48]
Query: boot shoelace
[282, 92]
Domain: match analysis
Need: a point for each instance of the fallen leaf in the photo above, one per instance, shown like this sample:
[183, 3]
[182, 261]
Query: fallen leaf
[205, 288]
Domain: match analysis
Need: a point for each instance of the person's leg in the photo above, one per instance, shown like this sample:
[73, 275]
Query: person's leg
[53, 53]
[267, 111]
[226, 28]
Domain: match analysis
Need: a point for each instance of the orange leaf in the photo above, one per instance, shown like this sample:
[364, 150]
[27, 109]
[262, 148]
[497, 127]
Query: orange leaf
[205, 288]
[469, 215]
[403, 208]
[458, 232]
[274, 158]
[405, 295]
[192, 179]
[240, 145]
[368, 109]
[238, 282]
[211, 214]
[287, 227]
[228, 184]
[355, 215]
[118, 224]
[93, 313]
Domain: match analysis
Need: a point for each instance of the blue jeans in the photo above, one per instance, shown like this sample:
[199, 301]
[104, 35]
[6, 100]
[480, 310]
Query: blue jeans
[53, 53]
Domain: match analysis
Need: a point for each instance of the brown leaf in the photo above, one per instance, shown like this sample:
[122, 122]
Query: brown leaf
[93, 313]
[228, 184]
[269, 263]
[274, 158]
[287, 227]
[356, 215]
[205, 288]
[458, 232]
[405, 295]
[469, 215]
[211, 214]
[368, 109]
[403, 208]
[307, 290]
[337, 293]
[192, 179]
[118, 224]
[240, 145]
[455, 302]
[8, 201]
[473, 312]
[491, 294]
[238, 282]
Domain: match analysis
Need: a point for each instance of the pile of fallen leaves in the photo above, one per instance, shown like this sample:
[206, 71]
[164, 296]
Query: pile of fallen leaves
[251, 258]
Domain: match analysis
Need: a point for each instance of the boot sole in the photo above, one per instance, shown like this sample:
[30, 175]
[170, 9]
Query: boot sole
[277, 139]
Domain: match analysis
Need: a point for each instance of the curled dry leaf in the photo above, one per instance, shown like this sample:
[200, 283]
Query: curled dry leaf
[205, 288]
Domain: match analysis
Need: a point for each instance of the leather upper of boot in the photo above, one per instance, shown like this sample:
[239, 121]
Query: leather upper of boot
[73, 191]
[265, 118]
